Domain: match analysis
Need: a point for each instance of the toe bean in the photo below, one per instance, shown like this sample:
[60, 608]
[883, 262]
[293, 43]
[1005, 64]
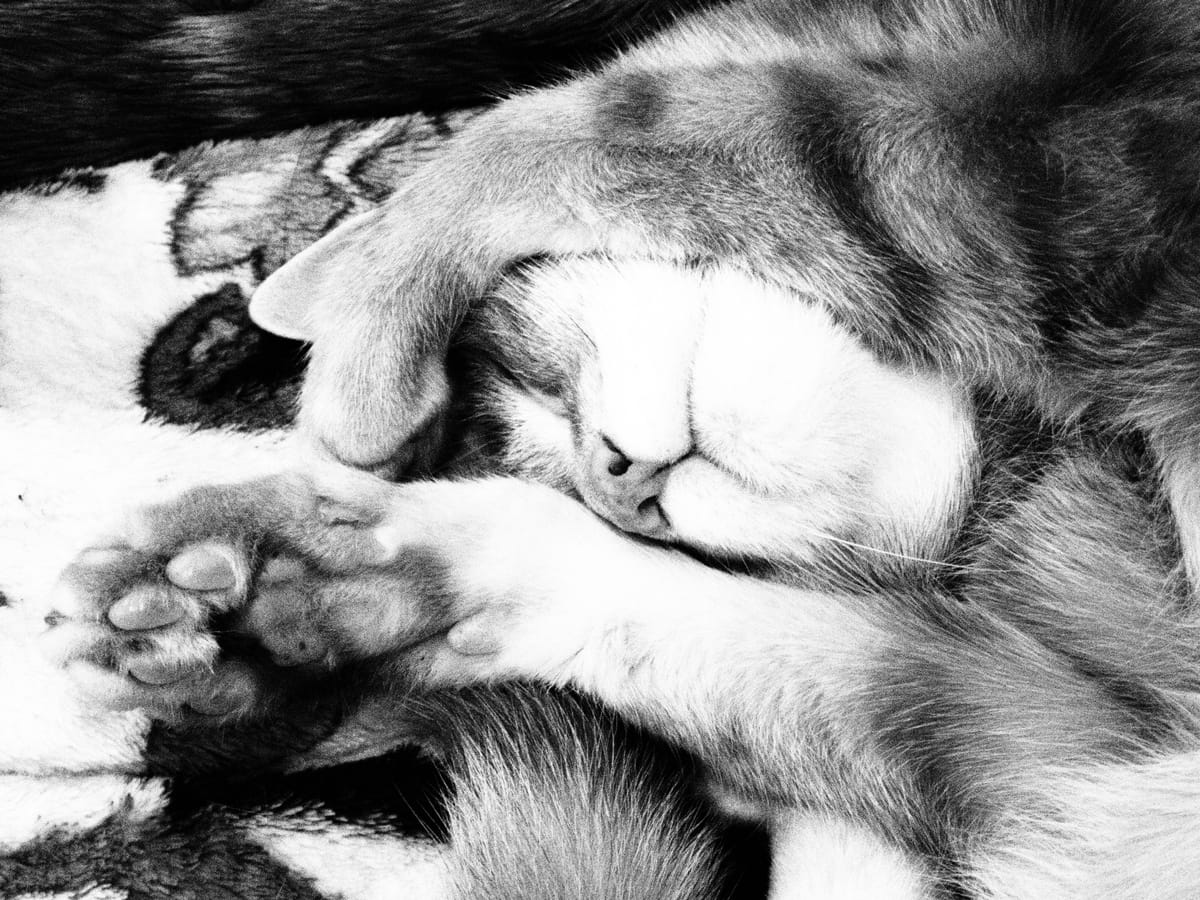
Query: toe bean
[144, 608]
[204, 567]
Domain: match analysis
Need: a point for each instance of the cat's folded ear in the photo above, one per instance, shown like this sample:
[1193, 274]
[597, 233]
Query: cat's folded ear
[315, 283]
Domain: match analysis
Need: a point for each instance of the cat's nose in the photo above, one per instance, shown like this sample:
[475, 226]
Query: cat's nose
[627, 489]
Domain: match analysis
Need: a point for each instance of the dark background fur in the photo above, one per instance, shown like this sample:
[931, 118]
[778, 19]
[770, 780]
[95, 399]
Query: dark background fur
[92, 82]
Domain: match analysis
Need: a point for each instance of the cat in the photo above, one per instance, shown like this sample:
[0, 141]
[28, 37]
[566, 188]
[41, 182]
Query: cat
[976, 671]
[1005, 192]
[1000, 194]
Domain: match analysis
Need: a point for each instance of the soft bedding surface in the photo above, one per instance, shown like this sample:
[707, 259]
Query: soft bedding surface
[129, 369]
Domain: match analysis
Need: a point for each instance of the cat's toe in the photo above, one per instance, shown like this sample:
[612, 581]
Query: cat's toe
[128, 634]
[225, 689]
[146, 607]
[210, 566]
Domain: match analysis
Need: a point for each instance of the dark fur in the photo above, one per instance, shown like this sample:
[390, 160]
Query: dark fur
[92, 82]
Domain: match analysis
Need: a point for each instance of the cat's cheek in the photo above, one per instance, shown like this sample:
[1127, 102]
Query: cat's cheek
[710, 509]
[706, 507]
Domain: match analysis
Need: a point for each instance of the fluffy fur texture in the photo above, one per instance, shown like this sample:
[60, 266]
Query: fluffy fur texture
[1001, 191]
[129, 370]
[968, 722]
[1002, 195]
[554, 797]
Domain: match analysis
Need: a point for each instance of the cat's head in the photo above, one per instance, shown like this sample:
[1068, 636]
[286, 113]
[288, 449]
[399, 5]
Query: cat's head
[704, 407]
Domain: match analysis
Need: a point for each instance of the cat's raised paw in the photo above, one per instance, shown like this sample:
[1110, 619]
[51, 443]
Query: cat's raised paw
[131, 637]
[192, 601]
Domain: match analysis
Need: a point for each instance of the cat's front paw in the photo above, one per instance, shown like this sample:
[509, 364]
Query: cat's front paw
[376, 389]
[132, 637]
[193, 603]
[539, 588]
[575, 639]
[390, 432]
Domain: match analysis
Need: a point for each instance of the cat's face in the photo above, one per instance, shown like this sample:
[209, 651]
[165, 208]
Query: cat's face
[710, 409]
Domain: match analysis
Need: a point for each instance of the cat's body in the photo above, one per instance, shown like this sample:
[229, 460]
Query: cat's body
[1006, 192]
[989, 695]
[996, 696]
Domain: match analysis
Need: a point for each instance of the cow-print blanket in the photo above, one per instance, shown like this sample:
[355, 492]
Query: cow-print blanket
[128, 369]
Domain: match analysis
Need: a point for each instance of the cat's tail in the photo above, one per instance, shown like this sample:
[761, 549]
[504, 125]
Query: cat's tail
[554, 799]
[1121, 832]
[97, 82]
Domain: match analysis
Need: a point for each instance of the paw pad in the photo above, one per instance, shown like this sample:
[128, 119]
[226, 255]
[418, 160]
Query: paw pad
[166, 616]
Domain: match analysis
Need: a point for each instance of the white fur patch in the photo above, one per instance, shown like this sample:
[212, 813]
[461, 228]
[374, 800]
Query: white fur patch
[351, 862]
[831, 859]
[644, 319]
[32, 807]
[805, 436]
[786, 432]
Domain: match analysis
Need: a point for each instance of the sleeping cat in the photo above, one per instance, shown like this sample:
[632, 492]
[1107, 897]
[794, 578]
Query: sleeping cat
[1006, 192]
[871, 604]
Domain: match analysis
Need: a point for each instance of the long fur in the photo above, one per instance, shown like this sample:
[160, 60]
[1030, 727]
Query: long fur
[1002, 191]
[553, 797]
[1001, 194]
[966, 723]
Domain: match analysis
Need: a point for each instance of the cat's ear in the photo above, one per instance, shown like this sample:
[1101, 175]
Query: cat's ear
[290, 302]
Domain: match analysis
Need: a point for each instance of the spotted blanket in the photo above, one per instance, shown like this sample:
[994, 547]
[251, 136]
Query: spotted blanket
[129, 369]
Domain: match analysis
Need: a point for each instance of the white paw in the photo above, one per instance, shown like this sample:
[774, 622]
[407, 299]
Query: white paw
[507, 640]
